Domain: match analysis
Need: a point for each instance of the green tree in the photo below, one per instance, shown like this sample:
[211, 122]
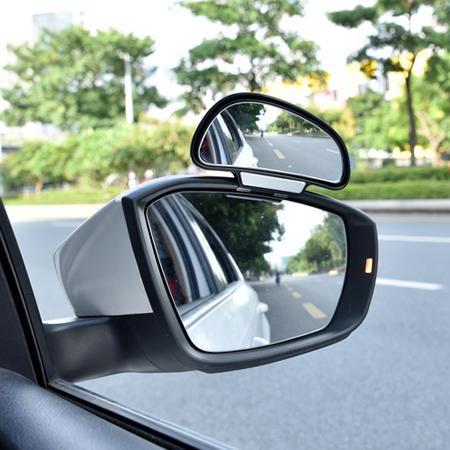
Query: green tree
[433, 107]
[324, 250]
[245, 227]
[90, 156]
[378, 124]
[162, 147]
[247, 115]
[35, 163]
[74, 79]
[394, 45]
[254, 47]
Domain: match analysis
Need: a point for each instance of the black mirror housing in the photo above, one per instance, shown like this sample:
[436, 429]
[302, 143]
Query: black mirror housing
[161, 334]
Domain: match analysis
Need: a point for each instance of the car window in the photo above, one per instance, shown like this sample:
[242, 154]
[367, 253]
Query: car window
[218, 273]
[202, 255]
[229, 142]
[189, 279]
[233, 128]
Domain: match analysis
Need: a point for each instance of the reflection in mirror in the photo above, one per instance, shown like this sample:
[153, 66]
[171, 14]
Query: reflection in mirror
[246, 272]
[257, 135]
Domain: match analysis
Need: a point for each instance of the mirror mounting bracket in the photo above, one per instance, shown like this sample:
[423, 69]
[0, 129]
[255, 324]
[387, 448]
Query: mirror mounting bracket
[272, 183]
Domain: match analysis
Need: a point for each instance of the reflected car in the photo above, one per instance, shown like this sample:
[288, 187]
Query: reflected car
[225, 144]
[219, 309]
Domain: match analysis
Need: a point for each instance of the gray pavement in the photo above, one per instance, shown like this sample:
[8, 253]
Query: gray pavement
[300, 304]
[386, 386]
[312, 156]
[435, 206]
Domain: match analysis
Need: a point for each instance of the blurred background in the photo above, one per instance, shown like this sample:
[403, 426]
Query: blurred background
[98, 97]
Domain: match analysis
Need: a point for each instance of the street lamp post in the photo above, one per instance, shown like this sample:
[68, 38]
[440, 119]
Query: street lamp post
[128, 88]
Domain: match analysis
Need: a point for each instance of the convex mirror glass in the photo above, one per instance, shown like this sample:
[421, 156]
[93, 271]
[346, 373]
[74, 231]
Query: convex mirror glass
[258, 135]
[246, 272]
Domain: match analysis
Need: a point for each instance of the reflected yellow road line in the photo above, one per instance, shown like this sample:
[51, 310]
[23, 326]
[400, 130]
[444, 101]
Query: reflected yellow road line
[279, 154]
[295, 294]
[314, 311]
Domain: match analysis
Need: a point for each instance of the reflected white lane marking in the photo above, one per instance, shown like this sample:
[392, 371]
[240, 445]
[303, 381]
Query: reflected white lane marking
[296, 294]
[410, 284]
[314, 311]
[332, 150]
[279, 154]
[403, 238]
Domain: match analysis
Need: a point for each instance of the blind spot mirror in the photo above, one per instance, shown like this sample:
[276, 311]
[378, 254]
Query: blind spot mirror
[271, 137]
[246, 272]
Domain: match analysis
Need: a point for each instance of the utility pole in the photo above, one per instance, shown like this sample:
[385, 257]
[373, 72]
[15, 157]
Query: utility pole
[129, 110]
[128, 88]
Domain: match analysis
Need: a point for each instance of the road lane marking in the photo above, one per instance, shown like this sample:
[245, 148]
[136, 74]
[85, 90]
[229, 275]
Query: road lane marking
[331, 150]
[402, 238]
[314, 311]
[296, 294]
[279, 154]
[410, 284]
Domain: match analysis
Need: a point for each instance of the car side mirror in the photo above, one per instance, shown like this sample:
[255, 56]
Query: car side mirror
[257, 134]
[213, 273]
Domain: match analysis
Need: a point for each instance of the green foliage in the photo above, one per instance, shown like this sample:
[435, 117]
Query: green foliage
[400, 174]
[247, 115]
[289, 123]
[37, 162]
[397, 190]
[253, 48]
[433, 103]
[325, 249]
[393, 46]
[74, 79]
[92, 155]
[245, 227]
[380, 124]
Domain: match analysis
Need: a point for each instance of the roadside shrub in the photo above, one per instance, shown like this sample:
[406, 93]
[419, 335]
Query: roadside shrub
[392, 174]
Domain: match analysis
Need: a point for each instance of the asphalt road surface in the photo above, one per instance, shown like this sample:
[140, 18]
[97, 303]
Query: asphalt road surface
[316, 157]
[300, 304]
[387, 386]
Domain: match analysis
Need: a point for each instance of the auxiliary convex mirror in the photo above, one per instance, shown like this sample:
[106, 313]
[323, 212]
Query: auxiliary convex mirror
[253, 135]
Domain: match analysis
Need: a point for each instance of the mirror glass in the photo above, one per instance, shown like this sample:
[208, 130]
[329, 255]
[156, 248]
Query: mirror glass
[257, 135]
[247, 272]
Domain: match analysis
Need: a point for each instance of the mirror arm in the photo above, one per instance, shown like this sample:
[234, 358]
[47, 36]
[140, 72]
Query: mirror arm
[89, 348]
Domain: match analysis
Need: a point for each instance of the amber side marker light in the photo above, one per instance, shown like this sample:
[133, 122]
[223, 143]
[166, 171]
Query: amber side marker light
[369, 265]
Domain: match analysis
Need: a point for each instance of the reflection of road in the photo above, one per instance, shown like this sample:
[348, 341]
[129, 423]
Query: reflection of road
[311, 156]
[300, 304]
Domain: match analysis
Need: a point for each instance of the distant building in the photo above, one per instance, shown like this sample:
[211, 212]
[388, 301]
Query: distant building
[53, 21]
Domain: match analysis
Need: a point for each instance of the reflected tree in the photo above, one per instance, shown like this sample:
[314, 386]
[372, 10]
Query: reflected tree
[325, 249]
[246, 227]
[247, 115]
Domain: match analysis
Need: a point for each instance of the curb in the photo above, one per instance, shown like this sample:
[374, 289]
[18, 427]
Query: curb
[437, 206]
[27, 213]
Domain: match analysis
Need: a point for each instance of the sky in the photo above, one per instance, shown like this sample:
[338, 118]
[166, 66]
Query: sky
[175, 30]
